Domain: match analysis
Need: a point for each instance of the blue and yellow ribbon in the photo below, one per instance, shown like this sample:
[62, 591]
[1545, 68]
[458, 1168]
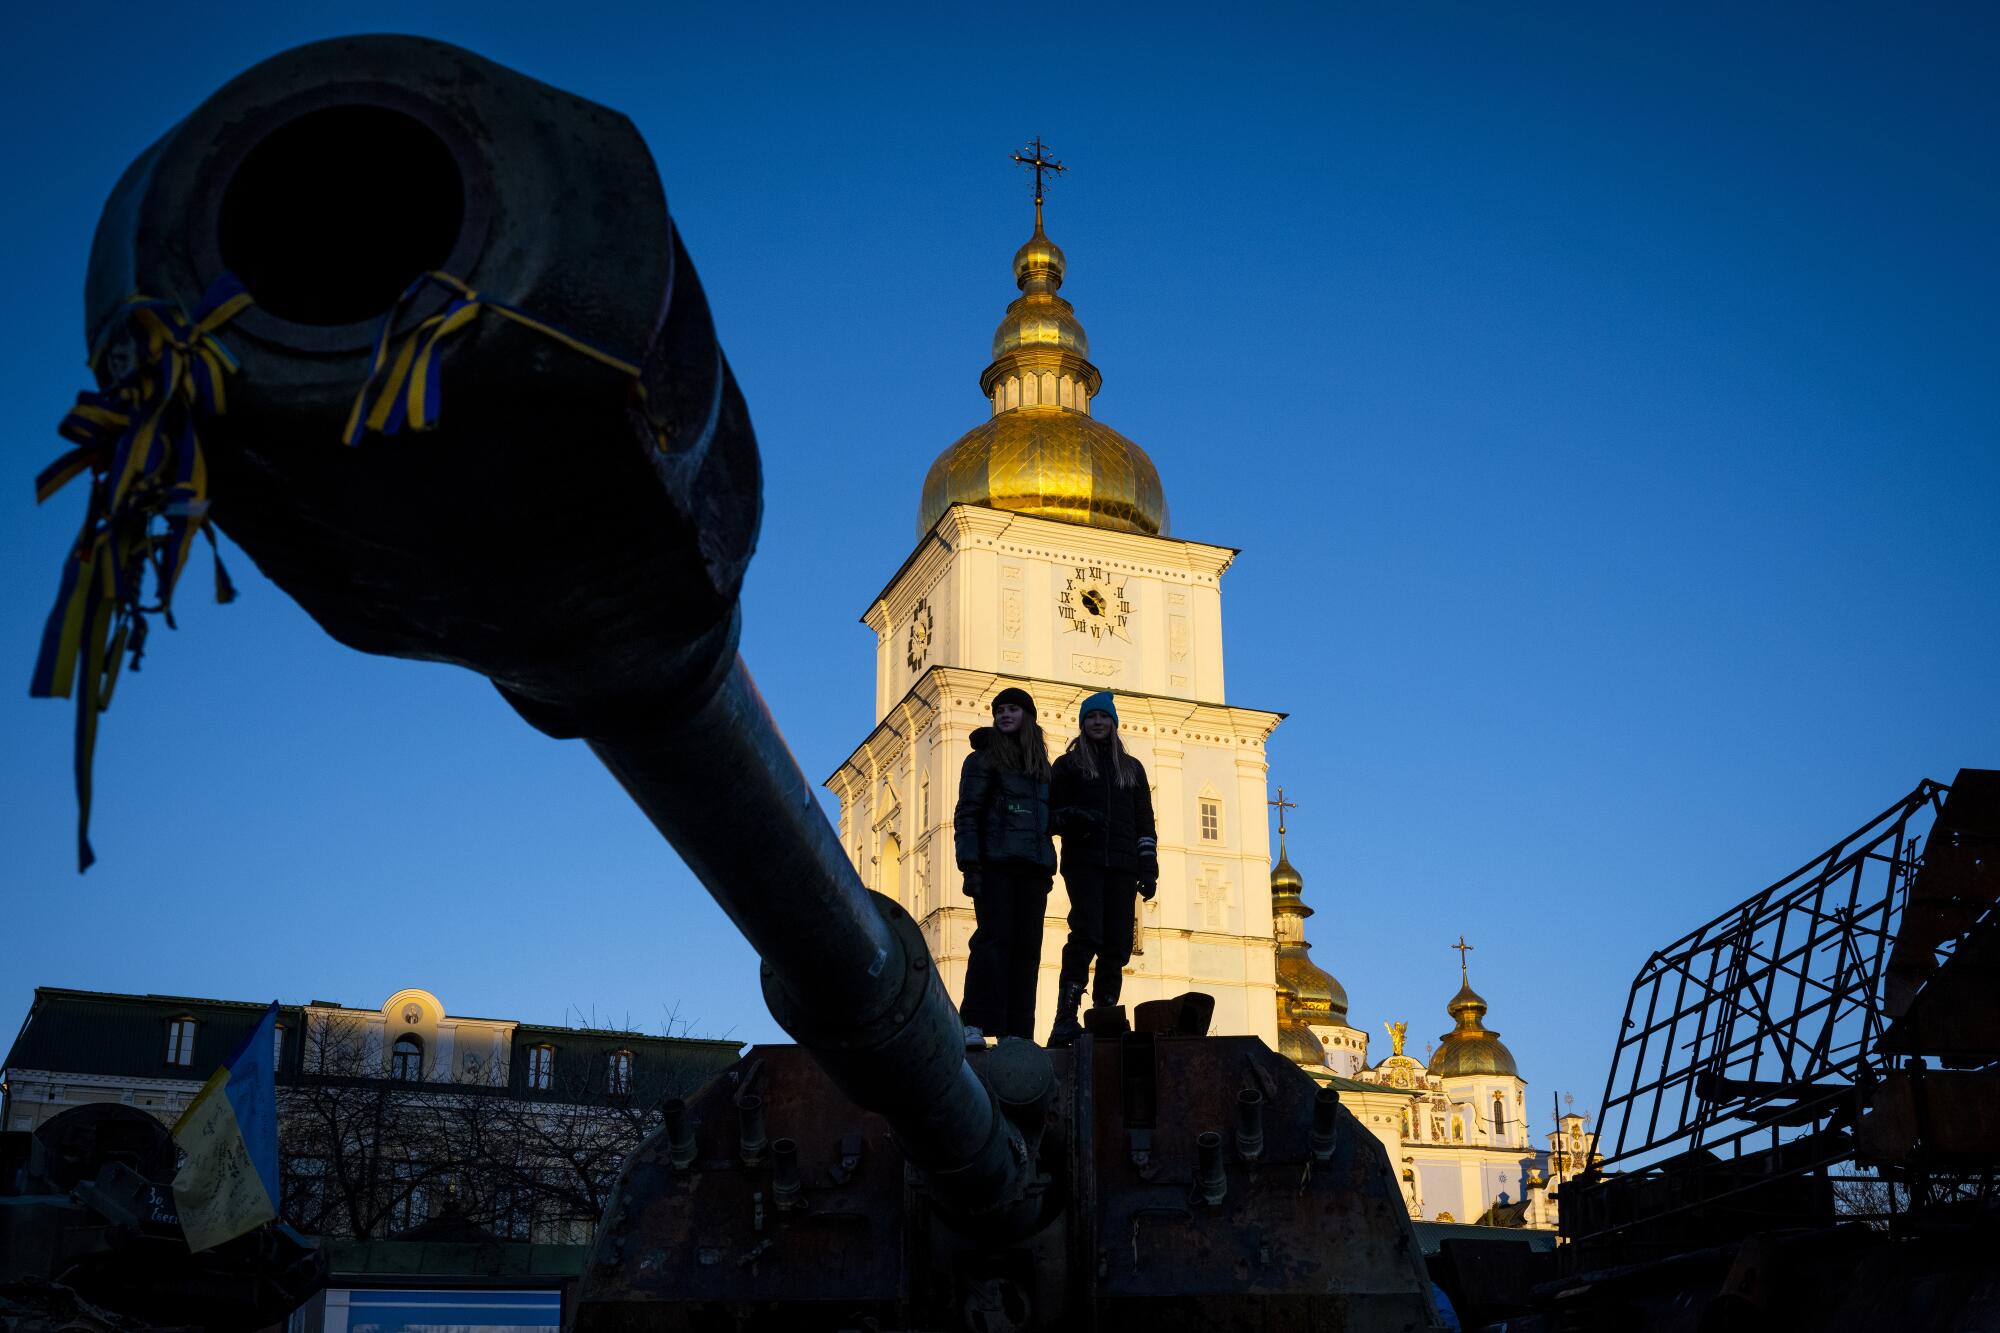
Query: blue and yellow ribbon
[148, 501]
[404, 387]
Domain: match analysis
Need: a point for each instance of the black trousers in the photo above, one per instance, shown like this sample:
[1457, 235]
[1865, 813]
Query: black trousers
[1100, 927]
[1006, 951]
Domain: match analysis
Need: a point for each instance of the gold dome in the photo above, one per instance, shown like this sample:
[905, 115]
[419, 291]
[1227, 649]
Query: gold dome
[1038, 317]
[1318, 997]
[1470, 1048]
[1042, 453]
[1053, 463]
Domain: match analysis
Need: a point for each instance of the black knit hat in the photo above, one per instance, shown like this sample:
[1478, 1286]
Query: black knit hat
[1017, 696]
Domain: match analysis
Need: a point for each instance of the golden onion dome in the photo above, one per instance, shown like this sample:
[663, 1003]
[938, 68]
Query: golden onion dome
[1471, 1048]
[1042, 453]
[1052, 463]
[1320, 999]
[1286, 879]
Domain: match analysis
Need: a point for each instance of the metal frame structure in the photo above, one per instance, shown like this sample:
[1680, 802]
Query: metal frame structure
[1757, 1034]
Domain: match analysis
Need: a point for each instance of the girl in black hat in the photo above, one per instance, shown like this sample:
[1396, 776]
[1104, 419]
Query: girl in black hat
[1001, 833]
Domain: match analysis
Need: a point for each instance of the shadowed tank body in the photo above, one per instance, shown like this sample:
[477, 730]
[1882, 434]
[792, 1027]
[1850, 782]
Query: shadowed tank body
[574, 525]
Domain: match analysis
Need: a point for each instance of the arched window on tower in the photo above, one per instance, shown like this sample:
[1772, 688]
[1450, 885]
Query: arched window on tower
[1499, 1117]
[406, 1059]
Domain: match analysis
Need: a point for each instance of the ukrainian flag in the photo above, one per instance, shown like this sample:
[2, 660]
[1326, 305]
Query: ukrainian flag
[230, 1135]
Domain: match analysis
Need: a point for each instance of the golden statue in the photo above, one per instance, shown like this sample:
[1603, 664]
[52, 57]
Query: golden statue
[1396, 1034]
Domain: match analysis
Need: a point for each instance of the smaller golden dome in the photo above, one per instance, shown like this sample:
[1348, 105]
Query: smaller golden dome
[1038, 259]
[1471, 1048]
[1285, 877]
[1047, 322]
[1038, 319]
[1321, 999]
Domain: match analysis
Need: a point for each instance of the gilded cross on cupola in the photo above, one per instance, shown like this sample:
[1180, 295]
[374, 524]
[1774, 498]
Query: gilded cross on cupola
[1038, 161]
[1463, 949]
[1281, 805]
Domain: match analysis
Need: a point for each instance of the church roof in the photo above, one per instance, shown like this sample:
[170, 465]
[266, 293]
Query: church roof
[1319, 998]
[1471, 1048]
[1041, 452]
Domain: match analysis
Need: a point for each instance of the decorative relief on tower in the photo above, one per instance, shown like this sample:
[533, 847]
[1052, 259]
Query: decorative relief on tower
[1177, 638]
[1096, 666]
[922, 623]
[1211, 893]
[1010, 613]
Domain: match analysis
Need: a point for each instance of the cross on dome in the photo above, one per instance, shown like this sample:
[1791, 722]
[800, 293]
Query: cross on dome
[1039, 162]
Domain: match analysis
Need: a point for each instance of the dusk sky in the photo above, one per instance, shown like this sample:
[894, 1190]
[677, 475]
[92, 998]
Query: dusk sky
[1603, 398]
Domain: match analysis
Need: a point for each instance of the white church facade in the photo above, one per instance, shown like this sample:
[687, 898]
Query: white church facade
[1043, 561]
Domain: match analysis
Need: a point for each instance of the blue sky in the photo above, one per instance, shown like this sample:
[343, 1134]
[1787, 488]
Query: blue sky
[1602, 397]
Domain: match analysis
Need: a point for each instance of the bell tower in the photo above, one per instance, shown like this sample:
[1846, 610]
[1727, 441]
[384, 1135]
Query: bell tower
[1044, 560]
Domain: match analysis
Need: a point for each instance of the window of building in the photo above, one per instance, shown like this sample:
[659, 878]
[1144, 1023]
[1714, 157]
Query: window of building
[410, 1197]
[180, 1041]
[406, 1059]
[304, 1188]
[513, 1214]
[1499, 1116]
[1457, 1130]
[924, 803]
[618, 1078]
[541, 1068]
[277, 1045]
[1211, 820]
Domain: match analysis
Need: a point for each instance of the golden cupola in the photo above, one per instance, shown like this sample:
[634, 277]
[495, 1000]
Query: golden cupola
[1319, 999]
[1470, 1048]
[1041, 452]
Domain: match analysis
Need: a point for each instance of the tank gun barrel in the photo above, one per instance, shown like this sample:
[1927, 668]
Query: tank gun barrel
[468, 252]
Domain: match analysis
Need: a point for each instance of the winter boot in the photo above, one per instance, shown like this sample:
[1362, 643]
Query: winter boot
[1066, 1028]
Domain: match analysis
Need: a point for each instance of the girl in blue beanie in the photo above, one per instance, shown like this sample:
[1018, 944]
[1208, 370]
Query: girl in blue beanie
[1104, 812]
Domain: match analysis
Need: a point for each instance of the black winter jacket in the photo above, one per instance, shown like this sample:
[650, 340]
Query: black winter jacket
[1122, 832]
[1001, 816]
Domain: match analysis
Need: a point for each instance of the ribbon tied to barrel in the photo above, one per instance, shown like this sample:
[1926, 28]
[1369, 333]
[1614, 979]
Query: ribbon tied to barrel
[404, 387]
[165, 372]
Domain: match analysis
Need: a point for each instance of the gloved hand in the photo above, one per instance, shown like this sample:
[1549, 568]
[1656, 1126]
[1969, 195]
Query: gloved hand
[1149, 877]
[972, 881]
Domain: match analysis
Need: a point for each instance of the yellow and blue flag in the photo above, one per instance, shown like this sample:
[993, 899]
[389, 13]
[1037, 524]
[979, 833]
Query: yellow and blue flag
[230, 1135]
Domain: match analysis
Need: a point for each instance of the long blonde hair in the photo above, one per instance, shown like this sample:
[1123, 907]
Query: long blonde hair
[1026, 751]
[1122, 764]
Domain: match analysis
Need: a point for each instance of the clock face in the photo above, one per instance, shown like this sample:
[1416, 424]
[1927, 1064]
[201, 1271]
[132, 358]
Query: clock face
[920, 635]
[1093, 603]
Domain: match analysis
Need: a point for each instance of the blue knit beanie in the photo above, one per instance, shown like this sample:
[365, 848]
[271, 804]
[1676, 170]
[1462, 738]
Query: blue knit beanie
[1099, 702]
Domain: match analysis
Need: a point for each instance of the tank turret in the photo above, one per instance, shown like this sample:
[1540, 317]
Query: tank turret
[431, 241]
